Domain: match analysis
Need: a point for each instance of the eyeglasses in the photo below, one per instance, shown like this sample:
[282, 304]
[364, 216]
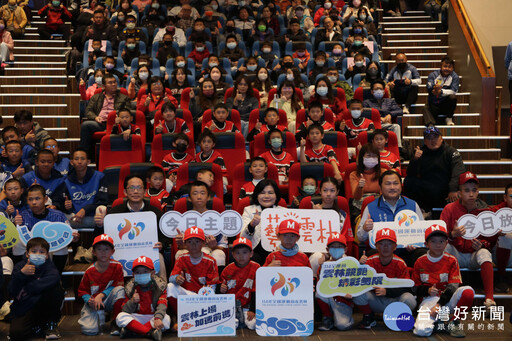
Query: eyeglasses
[135, 189]
[52, 146]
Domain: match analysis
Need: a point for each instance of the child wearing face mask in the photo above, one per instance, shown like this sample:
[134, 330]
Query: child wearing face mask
[302, 54]
[308, 189]
[130, 52]
[364, 181]
[110, 63]
[232, 51]
[174, 160]
[199, 53]
[166, 51]
[145, 305]
[266, 53]
[358, 66]
[263, 84]
[87, 92]
[319, 67]
[277, 156]
[355, 125]
[357, 46]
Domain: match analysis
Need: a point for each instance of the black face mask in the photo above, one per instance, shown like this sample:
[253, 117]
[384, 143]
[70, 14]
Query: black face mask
[230, 29]
[288, 65]
[181, 147]
[167, 42]
[401, 66]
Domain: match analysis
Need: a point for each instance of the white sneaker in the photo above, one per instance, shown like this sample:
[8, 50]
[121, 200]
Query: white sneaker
[449, 121]
[488, 303]
[405, 110]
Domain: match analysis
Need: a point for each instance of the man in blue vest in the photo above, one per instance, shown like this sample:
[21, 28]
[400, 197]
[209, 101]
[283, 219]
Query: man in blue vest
[385, 208]
[81, 192]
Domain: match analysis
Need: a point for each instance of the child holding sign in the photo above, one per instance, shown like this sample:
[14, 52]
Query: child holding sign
[474, 253]
[239, 278]
[145, 304]
[288, 254]
[437, 281]
[102, 287]
[391, 265]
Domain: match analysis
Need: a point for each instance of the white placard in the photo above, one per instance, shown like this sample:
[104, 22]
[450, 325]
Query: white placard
[369, 45]
[134, 235]
[213, 223]
[409, 229]
[206, 314]
[284, 301]
[487, 223]
[57, 234]
[315, 227]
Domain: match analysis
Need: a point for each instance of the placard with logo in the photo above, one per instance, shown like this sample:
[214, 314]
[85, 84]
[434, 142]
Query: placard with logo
[206, 314]
[348, 276]
[57, 234]
[315, 227]
[486, 223]
[409, 229]
[229, 222]
[134, 235]
[284, 301]
[10, 236]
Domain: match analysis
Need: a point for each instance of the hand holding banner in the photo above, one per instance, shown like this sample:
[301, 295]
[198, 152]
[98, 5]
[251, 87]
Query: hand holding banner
[229, 222]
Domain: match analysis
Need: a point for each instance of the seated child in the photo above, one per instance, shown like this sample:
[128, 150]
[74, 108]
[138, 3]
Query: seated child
[308, 189]
[204, 175]
[302, 54]
[124, 124]
[357, 47]
[337, 56]
[267, 55]
[288, 254]
[174, 160]
[437, 281]
[206, 141]
[36, 198]
[337, 310]
[155, 177]
[44, 174]
[315, 114]
[166, 51]
[110, 63]
[199, 53]
[258, 169]
[38, 295]
[358, 67]
[379, 139]
[219, 122]
[101, 288]
[271, 119]
[232, 51]
[319, 152]
[15, 165]
[96, 52]
[145, 305]
[277, 156]
[193, 270]
[14, 200]
[170, 123]
[11, 133]
[61, 163]
[130, 52]
[319, 67]
[239, 278]
[336, 83]
[353, 127]
[394, 267]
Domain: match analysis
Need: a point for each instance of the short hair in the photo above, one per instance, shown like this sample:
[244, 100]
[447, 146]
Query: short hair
[168, 106]
[132, 17]
[271, 109]
[197, 183]
[37, 188]
[133, 176]
[154, 170]
[259, 188]
[257, 158]
[13, 142]
[181, 136]
[320, 53]
[50, 139]
[206, 133]
[22, 115]
[124, 109]
[507, 187]
[316, 126]
[274, 130]
[309, 177]
[38, 241]
[43, 152]
[220, 106]
[378, 81]
[389, 172]
[448, 60]
[355, 101]
[8, 129]
[300, 46]
[315, 104]
[98, 11]
[294, 21]
[381, 131]
[231, 36]
[199, 20]
[108, 76]
[12, 180]
[78, 150]
[204, 170]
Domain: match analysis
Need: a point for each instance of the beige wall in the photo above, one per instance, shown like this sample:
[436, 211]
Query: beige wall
[492, 20]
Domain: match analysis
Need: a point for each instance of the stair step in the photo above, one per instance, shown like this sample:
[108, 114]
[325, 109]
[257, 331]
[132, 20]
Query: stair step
[389, 29]
[419, 34]
[51, 71]
[33, 80]
[418, 17]
[447, 127]
[411, 23]
[21, 63]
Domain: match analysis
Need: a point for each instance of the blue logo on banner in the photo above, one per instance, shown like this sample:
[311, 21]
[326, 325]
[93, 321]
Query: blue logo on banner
[398, 317]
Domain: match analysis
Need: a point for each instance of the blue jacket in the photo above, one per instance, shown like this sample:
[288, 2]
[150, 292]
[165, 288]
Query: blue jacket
[51, 184]
[62, 165]
[27, 290]
[9, 168]
[21, 207]
[380, 212]
[397, 75]
[508, 59]
[450, 85]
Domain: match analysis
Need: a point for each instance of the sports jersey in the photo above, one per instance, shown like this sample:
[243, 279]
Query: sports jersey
[325, 154]
[49, 184]
[160, 195]
[84, 193]
[94, 282]
[265, 128]
[389, 158]
[226, 126]
[299, 259]
[240, 281]
[174, 160]
[118, 129]
[395, 269]
[196, 275]
[214, 157]
[365, 125]
[179, 126]
[451, 213]
[427, 272]
[62, 165]
[248, 188]
[283, 161]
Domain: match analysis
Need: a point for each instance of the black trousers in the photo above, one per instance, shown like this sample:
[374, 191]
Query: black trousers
[427, 194]
[435, 114]
[405, 95]
[45, 33]
[46, 310]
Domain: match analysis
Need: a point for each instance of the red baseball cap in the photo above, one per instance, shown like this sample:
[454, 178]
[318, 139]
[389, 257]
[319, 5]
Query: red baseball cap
[242, 242]
[194, 232]
[435, 230]
[289, 226]
[103, 238]
[336, 237]
[143, 261]
[384, 234]
[466, 177]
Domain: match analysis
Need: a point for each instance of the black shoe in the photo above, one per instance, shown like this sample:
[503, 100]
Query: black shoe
[327, 324]
[368, 322]
[501, 286]
[125, 333]
[155, 334]
[114, 329]
[52, 332]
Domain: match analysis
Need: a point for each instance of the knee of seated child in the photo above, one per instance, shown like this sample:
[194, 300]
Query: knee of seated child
[409, 300]
[343, 322]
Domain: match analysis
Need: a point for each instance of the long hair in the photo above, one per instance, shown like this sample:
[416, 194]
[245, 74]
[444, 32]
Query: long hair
[261, 186]
[295, 98]
[331, 180]
[330, 91]
[205, 102]
[249, 92]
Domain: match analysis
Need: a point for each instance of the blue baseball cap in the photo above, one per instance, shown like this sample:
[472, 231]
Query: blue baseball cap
[431, 131]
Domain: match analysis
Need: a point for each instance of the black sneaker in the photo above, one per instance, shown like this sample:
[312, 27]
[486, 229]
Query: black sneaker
[455, 330]
[501, 286]
[155, 334]
[125, 333]
[368, 322]
[52, 332]
[114, 329]
[327, 324]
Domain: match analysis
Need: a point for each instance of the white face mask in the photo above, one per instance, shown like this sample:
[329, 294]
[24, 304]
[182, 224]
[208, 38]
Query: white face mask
[355, 113]
[180, 64]
[332, 79]
[266, 50]
[370, 162]
[262, 76]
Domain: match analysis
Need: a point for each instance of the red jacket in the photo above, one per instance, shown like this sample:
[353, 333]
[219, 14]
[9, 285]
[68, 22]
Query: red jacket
[199, 56]
[55, 16]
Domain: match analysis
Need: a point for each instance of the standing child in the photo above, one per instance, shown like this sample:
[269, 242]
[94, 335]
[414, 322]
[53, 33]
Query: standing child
[277, 156]
[219, 122]
[437, 282]
[124, 124]
[239, 278]
[38, 295]
[101, 288]
[288, 253]
[61, 163]
[258, 169]
[145, 304]
[155, 177]
[379, 139]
